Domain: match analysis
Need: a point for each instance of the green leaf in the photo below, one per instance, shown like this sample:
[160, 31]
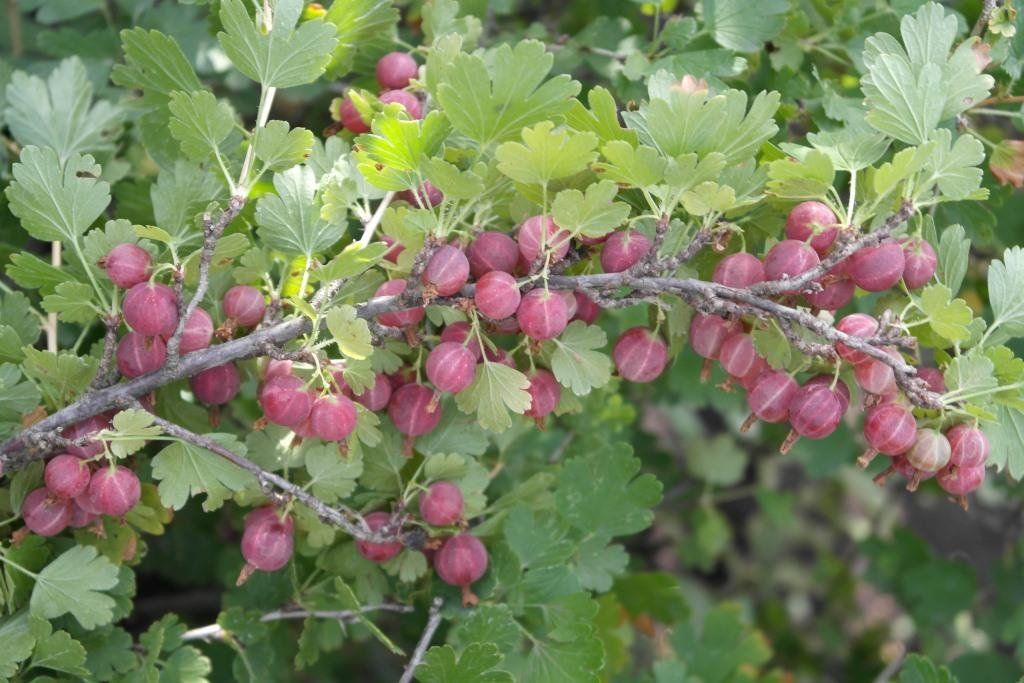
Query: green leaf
[903, 104]
[954, 252]
[155, 65]
[1006, 295]
[594, 213]
[640, 166]
[969, 373]
[56, 201]
[602, 494]
[441, 17]
[492, 100]
[280, 148]
[72, 302]
[182, 191]
[719, 460]
[598, 563]
[350, 333]
[850, 149]
[59, 113]
[56, 650]
[920, 669]
[656, 594]
[331, 475]
[73, 583]
[18, 642]
[1006, 436]
[708, 536]
[186, 470]
[361, 25]
[736, 25]
[722, 646]
[283, 56]
[948, 317]
[19, 326]
[31, 272]
[290, 220]
[955, 166]
[188, 665]
[16, 397]
[97, 243]
[575, 362]
[352, 261]
[475, 665]
[200, 123]
[808, 178]
[537, 542]
[396, 153]
[601, 119]
[708, 198]
[496, 390]
[134, 427]
[906, 163]
[60, 377]
[546, 154]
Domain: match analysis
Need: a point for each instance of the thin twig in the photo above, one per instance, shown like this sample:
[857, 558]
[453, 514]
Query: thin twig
[107, 373]
[341, 516]
[216, 631]
[987, 8]
[421, 647]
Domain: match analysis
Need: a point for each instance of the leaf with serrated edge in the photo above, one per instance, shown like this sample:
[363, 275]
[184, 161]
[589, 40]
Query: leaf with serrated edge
[74, 583]
[575, 362]
[496, 390]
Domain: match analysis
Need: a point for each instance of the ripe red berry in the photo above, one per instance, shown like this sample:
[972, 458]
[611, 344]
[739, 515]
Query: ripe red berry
[406, 99]
[492, 250]
[876, 269]
[788, 259]
[333, 417]
[86, 427]
[875, 377]
[45, 514]
[377, 396]
[442, 504]
[459, 332]
[920, 262]
[461, 561]
[127, 265]
[378, 552]
[586, 309]
[837, 291]
[66, 476]
[138, 355]
[451, 367]
[497, 295]
[890, 429]
[396, 249]
[930, 452]
[351, 118]
[545, 393]
[814, 412]
[640, 355]
[769, 397]
[426, 195]
[739, 357]
[114, 490]
[268, 540]
[959, 481]
[856, 325]
[217, 385]
[447, 270]
[285, 400]
[406, 318]
[80, 517]
[840, 389]
[244, 305]
[739, 270]
[501, 356]
[395, 70]
[709, 332]
[151, 310]
[198, 332]
[569, 299]
[933, 377]
[968, 445]
[624, 249]
[814, 222]
[414, 409]
[902, 465]
[542, 314]
[539, 233]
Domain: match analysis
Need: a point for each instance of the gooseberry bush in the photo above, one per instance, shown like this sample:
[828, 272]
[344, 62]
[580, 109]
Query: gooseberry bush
[462, 341]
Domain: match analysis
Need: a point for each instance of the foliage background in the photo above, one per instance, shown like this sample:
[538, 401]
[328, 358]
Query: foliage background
[793, 564]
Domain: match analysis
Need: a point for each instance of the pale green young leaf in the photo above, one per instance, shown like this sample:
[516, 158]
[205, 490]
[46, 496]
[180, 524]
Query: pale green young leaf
[850, 149]
[61, 377]
[1006, 437]
[441, 17]
[409, 566]
[948, 317]
[280, 148]
[331, 475]
[640, 166]
[602, 118]
[200, 123]
[1006, 295]
[290, 220]
[954, 252]
[452, 182]
[955, 166]
[59, 112]
[282, 57]
[495, 391]
[350, 332]
[593, 213]
[737, 25]
[903, 103]
[708, 198]
[352, 261]
[802, 179]
[186, 470]
[575, 361]
[475, 664]
[362, 26]
[394, 155]
[72, 302]
[492, 100]
[74, 583]
[155, 65]
[689, 170]
[891, 175]
[134, 427]
[970, 373]
[546, 154]
[56, 201]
